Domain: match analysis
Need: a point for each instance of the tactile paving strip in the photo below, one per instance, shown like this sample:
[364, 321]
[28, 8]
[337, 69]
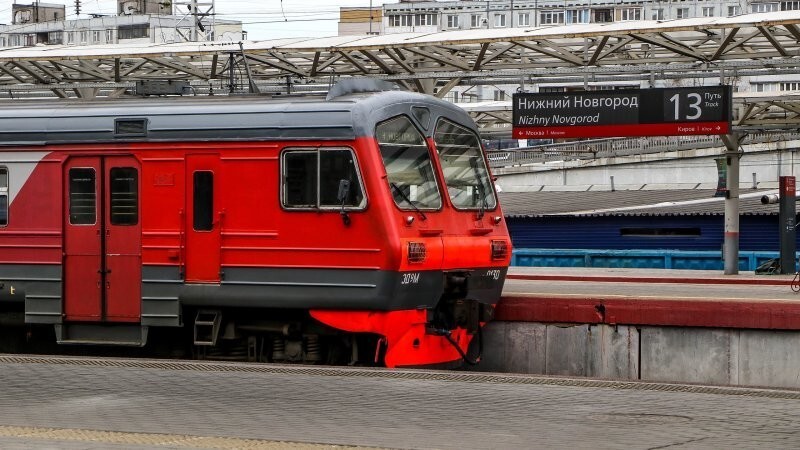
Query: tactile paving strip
[152, 439]
[468, 377]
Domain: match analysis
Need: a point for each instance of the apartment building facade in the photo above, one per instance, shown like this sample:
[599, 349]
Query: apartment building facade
[137, 22]
[431, 16]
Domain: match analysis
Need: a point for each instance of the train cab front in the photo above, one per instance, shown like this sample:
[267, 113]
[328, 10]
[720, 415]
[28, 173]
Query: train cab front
[453, 241]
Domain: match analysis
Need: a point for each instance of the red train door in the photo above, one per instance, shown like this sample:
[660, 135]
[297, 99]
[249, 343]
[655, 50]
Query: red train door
[102, 240]
[203, 219]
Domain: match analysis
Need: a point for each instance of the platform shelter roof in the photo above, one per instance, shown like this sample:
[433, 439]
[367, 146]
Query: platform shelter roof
[765, 43]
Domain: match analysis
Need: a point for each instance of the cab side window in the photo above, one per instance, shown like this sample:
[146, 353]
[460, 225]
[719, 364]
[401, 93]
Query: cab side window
[312, 178]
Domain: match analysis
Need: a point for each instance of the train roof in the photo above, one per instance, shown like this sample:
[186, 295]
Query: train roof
[346, 117]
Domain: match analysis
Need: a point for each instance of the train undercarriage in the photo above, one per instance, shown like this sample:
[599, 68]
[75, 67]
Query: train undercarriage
[436, 338]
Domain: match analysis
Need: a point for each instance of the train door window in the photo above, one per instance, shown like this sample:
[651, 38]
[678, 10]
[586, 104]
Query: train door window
[203, 200]
[409, 169]
[311, 179]
[464, 168]
[3, 196]
[124, 196]
[82, 196]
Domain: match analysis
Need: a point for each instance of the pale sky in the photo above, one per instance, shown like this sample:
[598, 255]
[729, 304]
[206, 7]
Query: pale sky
[264, 19]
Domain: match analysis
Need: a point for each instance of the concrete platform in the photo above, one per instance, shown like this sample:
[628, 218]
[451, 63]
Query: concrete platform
[650, 297]
[110, 403]
[640, 324]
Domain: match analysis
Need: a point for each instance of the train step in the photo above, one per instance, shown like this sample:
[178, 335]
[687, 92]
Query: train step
[206, 327]
[104, 334]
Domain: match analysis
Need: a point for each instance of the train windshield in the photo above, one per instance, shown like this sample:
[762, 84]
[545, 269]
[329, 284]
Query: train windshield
[408, 165]
[464, 168]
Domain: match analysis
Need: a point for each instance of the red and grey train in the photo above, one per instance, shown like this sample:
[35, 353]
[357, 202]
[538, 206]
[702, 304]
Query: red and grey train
[360, 227]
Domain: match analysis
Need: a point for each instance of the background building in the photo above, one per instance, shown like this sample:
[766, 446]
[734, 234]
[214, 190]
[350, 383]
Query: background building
[433, 16]
[138, 21]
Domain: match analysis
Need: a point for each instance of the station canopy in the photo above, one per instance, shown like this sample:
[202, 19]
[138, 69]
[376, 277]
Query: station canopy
[724, 48]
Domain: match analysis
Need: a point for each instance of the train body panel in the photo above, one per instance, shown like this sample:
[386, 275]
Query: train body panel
[156, 213]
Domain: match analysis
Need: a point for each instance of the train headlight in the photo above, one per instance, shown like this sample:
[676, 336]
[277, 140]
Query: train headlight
[499, 249]
[416, 252]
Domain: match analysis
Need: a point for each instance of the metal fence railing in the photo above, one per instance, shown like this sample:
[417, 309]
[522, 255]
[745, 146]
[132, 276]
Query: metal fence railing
[606, 148]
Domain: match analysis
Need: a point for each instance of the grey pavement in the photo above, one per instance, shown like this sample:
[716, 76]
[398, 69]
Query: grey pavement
[380, 408]
[592, 289]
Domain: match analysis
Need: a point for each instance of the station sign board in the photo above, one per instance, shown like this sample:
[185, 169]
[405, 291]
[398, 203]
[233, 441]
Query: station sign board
[623, 113]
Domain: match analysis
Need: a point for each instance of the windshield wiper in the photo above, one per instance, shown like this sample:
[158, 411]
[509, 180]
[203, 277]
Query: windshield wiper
[407, 200]
[484, 205]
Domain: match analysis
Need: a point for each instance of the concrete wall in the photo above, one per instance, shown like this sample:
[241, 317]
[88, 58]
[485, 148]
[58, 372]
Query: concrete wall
[577, 350]
[691, 355]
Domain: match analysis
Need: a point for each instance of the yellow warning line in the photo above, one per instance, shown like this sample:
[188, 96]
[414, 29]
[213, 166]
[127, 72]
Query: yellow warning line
[153, 439]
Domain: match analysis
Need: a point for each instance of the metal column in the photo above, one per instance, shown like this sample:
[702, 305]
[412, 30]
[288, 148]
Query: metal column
[731, 243]
[788, 212]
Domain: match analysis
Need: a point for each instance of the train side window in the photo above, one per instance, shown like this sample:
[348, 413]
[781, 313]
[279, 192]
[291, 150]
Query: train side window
[203, 201]
[408, 165]
[3, 196]
[300, 179]
[82, 196]
[124, 196]
[311, 179]
[334, 166]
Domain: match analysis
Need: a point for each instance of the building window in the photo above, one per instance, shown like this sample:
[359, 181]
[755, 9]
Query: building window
[764, 7]
[3, 196]
[96, 36]
[631, 14]
[765, 87]
[790, 6]
[71, 37]
[499, 95]
[313, 178]
[499, 20]
[551, 89]
[133, 31]
[109, 36]
[603, 16]
[422, 20]
[476, 20]
[790, 86]
[734, 11]
[657, 14]
[660, 232]
[551, 17]
[708, 11]
[682, 13]
[452, 21]
[404, 20]
[524, 19]
[577, 16]
[55, 37]
[84, 36]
